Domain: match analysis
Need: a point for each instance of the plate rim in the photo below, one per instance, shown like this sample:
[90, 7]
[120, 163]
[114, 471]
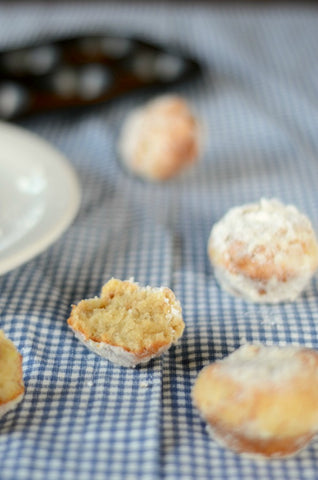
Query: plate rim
[33, 249]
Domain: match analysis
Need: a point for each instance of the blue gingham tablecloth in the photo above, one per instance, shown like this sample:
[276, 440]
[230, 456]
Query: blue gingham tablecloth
[83, 418]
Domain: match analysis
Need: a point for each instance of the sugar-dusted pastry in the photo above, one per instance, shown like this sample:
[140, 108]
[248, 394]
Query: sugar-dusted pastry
[261, 400]
[128, 324]
[264, 252]
[11, 375]
[160, 139]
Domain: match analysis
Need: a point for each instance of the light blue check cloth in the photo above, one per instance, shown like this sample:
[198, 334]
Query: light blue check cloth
[83, 418]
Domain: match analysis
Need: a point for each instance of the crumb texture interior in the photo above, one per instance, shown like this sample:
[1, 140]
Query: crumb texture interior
[11, 384]
[138, 319]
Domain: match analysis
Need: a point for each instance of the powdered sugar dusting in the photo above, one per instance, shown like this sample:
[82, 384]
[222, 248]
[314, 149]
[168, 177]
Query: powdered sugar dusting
[116, 354]
[268, 223]
[273, 364]
[160, 138]
[265, 252]
[276, 291]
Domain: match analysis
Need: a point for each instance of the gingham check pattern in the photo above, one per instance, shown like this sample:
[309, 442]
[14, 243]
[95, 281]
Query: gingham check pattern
[83, 418]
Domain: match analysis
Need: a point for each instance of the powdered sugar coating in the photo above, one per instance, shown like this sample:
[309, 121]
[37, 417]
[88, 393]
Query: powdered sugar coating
[117, 355]
[265, 252]
[261, 400]
[271, 364]
[276, 291]
[229, 440]
[160, 139]
[268, 222]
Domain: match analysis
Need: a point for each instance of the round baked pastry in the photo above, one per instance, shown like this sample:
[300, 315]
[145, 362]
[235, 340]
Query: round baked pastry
[261, 400]
[128, 324]
[11, 375]
[160, 139]
[264, 252]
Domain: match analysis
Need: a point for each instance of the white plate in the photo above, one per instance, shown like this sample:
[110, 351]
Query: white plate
[39, 196]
